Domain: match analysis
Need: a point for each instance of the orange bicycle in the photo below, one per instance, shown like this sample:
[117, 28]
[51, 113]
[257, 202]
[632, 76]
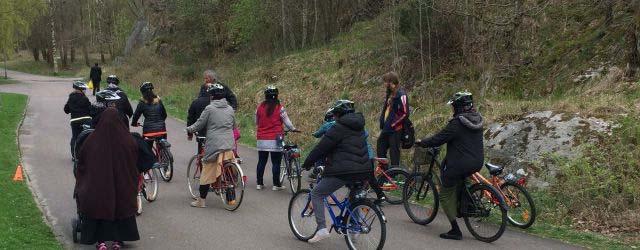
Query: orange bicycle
[390, 180]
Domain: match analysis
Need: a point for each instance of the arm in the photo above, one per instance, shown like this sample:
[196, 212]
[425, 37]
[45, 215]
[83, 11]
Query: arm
[444, 136]
[200, 123]
[126, 104]
[402, 112]
[326, 144]
[286, 120]
[163, 111]
[231, 98]
[137, 114]
[66, 108]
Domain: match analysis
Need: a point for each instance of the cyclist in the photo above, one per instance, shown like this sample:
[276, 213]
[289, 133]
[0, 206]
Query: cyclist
[329, 122]
[218, 119]
[104, 99]
[270, 118]
[123, 104]
[151, 107]
[465, 156]
[345, 148]
[78, 106]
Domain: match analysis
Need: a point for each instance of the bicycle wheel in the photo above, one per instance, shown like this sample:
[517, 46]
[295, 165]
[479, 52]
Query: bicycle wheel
[522, 211]
[233, 184]
[301, 219]
[166, 160]
[150, 188]
[421, 199]
[484, 212]
[294, 176]
[193, 177]
[283, 169]
[393, 186]
[366, 226]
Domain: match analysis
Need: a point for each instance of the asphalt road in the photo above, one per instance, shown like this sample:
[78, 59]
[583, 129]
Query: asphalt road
[169, 222]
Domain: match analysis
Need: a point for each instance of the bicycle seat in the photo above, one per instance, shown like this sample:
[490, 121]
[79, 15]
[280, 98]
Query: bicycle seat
[201, 139]
[381, 160]
[494, 169]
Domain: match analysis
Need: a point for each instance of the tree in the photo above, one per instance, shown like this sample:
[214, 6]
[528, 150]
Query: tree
[15, 18]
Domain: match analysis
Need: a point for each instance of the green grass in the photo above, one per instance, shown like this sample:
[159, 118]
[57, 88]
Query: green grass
[43, 68]
[6, 81]
[21, 222]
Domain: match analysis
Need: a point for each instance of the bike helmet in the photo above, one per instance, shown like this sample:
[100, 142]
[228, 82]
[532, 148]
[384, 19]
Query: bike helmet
[328, 116]
[146, 86]
[80, 85]
[216, 91]
[271, 92]
[342, 107]
[461, 101]
[106, 95]
[113, 79]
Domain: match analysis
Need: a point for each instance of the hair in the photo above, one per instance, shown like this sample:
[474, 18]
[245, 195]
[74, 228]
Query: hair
[148, 96]
[96, 64]
[211, 74]
[391, 77]
[271, 105]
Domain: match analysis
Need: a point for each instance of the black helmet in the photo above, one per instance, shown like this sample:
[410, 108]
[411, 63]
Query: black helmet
[342, 107]
[271, 92]
[146, 86]
[107, 96]
[461, 101]
[80, 85]
[113, 79]
[329, 115]
[216, 91]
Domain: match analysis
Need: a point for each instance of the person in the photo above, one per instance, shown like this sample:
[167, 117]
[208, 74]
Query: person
[150, 106]
[107, 183]
[210, 78]
[79, 107]
[465, 156]
[344, 146]
[218, 119]
[270, 118]
[394, 112]
[105, 99]
[195, 110]
[329, 122]
[96, 77]
[123, 104]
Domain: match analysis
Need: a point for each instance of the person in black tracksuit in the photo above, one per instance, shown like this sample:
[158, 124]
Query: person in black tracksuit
[123, 105]
[151, 107]
[96, 77]
[347, 160]
[78, 106]
[195, 110]
[465, 155]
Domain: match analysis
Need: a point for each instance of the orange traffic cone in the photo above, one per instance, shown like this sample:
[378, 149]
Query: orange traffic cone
[18, 175]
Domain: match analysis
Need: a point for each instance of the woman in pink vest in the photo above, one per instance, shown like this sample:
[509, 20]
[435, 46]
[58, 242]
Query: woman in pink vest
[270, 118]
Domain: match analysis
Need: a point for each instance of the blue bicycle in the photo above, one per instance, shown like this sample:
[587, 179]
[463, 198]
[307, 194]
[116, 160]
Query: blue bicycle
[357, 218]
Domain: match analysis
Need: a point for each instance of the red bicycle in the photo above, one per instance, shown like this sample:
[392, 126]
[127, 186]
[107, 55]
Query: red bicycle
[147, 187]
[390, 180]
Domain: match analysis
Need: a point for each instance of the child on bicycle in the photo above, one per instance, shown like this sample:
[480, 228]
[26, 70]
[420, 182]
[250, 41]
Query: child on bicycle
[465, 156]
[344, 145]
[79, 107]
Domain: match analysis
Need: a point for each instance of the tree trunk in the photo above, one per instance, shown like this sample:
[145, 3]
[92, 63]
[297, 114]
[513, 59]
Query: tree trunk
[36, 54]
[73, 53]
[304, 23]
[421, 38]
[315, 22]
[608, 11]
[53, 38]
[633, 57]
[64, 51]
[284, 30]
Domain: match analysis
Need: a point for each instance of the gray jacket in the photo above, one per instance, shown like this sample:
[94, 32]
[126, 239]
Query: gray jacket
[218, 118]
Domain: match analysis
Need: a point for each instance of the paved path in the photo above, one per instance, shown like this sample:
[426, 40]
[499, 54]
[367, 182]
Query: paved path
[169, 223]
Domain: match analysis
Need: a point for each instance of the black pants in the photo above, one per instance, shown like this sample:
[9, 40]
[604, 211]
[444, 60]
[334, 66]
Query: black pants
[76, 129]
[96, 86]
[390, 141]
[276, 159]
[150, 142]
[204, 190]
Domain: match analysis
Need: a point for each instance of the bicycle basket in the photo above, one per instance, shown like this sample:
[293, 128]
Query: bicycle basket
[422, 156]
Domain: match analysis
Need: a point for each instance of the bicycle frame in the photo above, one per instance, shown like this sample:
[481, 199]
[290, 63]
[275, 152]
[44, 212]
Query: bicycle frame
[495, 182]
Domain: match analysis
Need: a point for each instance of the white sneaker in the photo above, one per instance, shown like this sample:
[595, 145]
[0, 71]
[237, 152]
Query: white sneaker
[139, 201]
[276, 188]
[320, 235]
[259, 187]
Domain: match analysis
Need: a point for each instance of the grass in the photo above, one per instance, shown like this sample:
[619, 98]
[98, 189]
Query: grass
[21, 222]
[7, 81]
[24, 62]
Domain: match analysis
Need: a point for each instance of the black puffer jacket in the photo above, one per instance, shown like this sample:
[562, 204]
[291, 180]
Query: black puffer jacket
[154, 116]
[345, 148]
[228, 95]
[77, 105]
[463, 136]
[195, 110]
[123, 104]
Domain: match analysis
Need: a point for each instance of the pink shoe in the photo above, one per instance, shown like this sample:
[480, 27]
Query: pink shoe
[117, 245]
[101, 246]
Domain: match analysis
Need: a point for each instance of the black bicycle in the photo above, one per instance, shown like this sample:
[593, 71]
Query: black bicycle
[291, 167]
[481, 206]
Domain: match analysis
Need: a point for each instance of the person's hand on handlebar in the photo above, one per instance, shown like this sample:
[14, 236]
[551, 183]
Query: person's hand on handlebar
[189, 136]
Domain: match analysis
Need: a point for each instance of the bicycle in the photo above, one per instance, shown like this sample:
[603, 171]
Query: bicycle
[522, 210]
[162, 150]
[355, 217]
[230, 187]
[391, 180]
[147, 187]
[291, 168]
[477, 201]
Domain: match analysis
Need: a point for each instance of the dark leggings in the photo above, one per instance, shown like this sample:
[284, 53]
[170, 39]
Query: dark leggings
[204, 190]
[276, 159]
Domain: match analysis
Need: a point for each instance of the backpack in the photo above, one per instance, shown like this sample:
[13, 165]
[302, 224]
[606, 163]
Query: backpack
[408, 137]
